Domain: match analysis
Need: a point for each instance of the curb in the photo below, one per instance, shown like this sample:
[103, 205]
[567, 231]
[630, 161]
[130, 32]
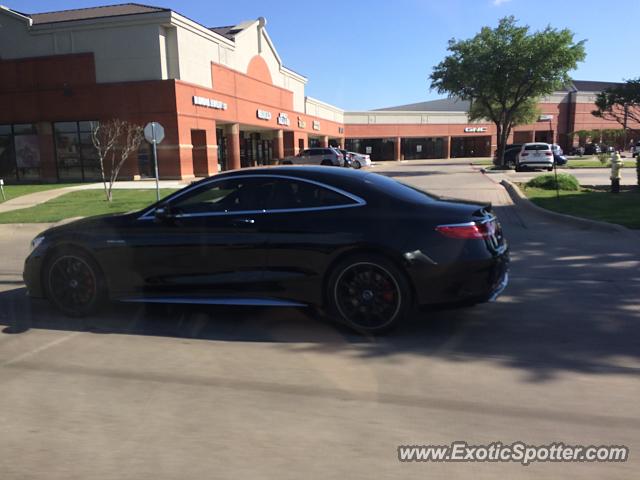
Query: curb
[522, 201]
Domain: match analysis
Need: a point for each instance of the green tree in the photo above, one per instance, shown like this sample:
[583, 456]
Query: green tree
[503, 69]
[620, 103]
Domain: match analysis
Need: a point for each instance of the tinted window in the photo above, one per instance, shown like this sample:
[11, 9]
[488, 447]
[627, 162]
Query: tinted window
[537, 147]
[396, 189]
[231, 195]
[291, 194]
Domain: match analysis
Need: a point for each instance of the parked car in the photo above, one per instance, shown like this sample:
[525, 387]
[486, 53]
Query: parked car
[511, 151]
[359, 160]
[535, 155]
[317, 156]
[279, 236]
[592, 149]
[558, 155]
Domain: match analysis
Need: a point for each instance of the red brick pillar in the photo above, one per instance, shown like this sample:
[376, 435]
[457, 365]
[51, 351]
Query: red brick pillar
[397, 149]
[325, 141]
[278, 145]
[212, 149]
[233, 146]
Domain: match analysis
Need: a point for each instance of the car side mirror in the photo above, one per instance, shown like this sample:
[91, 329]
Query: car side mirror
[162, 214]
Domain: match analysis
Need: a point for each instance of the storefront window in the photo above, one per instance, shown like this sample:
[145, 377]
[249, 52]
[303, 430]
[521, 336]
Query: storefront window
[7, 154]
[76, 157]
[27, 151]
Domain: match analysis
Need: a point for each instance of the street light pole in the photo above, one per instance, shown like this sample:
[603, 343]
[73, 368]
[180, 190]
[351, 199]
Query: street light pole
[555, 164]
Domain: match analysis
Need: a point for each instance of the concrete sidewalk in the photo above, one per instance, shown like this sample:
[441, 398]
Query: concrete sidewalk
[33, 199]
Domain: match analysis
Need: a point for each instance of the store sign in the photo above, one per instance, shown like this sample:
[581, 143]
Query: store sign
[475, 129]
[316, 124]
[263, 114]
[209, 103]
[545, 118]
[418, 148]
[283, 119]
[301, 123]
[367, 150]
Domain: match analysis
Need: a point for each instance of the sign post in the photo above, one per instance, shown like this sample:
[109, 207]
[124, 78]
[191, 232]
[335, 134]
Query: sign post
[154, 134]
[2, 189]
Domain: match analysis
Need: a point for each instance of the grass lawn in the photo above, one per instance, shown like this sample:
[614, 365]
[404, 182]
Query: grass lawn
[482, 161]
[84, 203]
[13, 191]
[593, 162]
[596, 203]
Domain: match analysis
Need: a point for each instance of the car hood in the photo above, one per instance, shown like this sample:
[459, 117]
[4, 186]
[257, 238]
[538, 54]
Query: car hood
[88, 224]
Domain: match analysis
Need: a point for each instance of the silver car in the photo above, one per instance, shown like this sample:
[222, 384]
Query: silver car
[316, 156]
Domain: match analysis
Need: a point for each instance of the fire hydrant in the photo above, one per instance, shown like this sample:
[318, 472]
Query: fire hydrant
[616, 165]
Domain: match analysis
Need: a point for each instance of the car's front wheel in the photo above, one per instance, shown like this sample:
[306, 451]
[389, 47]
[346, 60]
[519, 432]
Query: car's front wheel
[368, 293]
[74, 283]
[357, 164]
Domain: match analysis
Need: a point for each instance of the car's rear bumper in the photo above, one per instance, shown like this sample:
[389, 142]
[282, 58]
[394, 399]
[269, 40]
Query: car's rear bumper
[477, 281]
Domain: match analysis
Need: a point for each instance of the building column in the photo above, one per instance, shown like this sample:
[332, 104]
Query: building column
[447, 148]
[233, 145]
[325, 141]
[398, 150]
[48, 170]
[278, 145]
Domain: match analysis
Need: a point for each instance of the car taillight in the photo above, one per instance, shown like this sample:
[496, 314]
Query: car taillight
[548, 154]
[468, 231]
[524, 154]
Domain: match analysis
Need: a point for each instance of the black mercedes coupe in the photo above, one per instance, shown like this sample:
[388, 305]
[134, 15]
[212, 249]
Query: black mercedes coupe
[363, 247]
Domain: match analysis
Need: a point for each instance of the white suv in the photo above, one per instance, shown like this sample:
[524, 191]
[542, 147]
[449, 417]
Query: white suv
[317, 156]
[535, 155]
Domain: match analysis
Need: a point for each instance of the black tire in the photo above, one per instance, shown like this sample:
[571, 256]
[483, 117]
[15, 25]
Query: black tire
[326, 162]
[368, 293]
[356, 164]
[74, 283]
[550, 169]
[518, 168]
[287, 162]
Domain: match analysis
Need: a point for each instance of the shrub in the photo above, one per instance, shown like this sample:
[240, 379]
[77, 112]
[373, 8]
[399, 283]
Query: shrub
[604, 158]
[548, 182]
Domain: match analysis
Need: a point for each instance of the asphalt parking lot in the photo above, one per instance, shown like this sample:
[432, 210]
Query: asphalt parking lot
[165, 393]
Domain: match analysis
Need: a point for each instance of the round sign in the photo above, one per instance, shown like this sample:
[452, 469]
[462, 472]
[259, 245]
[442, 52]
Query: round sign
[154, 132]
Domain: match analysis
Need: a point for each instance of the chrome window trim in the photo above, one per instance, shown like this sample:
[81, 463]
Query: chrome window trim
[359, 202]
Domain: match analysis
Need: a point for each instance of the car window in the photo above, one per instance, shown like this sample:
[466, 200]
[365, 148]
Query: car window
[536, 147]
[396, 189]
[293, 194]
[233, 195]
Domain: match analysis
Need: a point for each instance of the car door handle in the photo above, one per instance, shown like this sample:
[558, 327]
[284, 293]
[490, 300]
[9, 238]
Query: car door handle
[243, 221]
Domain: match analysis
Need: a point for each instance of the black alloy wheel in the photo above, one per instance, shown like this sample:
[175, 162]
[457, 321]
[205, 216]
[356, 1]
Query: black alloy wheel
[74, 283]
[369, 294]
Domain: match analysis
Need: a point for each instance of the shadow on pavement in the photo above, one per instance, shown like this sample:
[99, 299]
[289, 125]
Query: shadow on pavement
[572, 305]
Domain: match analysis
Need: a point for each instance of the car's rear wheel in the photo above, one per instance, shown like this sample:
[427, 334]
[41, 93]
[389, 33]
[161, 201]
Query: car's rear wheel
[287, 162]
[357, 164]
[74, 283]
[368, 293]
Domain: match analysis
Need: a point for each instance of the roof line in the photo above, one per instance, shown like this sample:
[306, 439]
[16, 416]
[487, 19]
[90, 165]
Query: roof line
[96, 7]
